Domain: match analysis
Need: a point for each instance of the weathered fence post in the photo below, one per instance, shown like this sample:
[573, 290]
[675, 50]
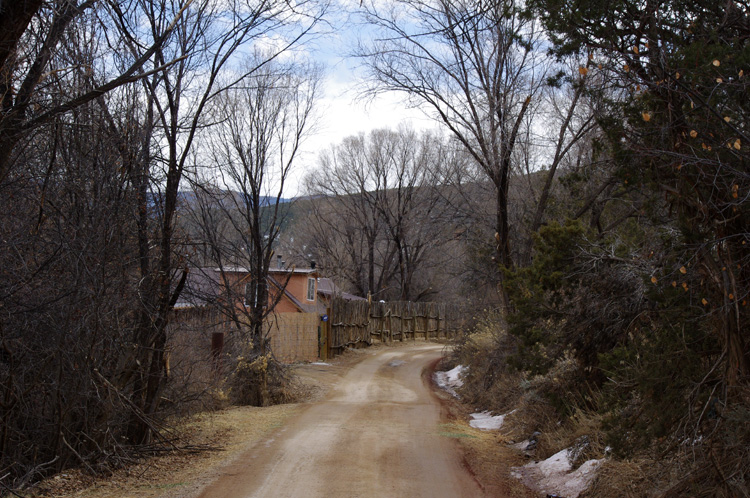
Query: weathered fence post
[401, 319]
[437, 322]
[217, 351]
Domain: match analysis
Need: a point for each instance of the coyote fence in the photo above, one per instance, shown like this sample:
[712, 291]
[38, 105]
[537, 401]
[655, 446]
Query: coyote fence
[359, 323]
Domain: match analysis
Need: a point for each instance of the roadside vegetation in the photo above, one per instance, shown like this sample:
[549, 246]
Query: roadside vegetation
[627, 327]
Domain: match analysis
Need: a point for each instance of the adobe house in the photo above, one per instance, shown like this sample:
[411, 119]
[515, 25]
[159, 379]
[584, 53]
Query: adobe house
[300, 295]
[293, 326]
[298, 288]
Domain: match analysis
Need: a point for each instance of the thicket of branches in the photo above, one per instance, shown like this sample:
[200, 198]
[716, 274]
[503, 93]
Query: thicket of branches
[103, 103]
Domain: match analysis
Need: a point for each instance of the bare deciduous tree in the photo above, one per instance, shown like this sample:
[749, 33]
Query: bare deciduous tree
[475, 66]
[251, 152]
[102, 103]
[379, 213]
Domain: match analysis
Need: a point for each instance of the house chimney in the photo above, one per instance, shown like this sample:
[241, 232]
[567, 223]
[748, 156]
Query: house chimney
[312, 265]
[279, 262]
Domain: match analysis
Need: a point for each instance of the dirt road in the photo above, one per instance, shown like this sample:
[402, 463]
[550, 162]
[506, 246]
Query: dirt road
[377, 434]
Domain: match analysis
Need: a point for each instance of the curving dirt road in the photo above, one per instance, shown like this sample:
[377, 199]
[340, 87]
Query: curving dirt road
[376, 435]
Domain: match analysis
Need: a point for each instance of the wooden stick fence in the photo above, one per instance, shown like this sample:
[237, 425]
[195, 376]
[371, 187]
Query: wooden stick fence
[358, 323]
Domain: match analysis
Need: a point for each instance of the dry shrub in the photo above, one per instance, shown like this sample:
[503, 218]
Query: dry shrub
[552, 403]
[619, 479]
[204, 380]
[490, 381]
[582, 433]
[695, 466]
[258, 380]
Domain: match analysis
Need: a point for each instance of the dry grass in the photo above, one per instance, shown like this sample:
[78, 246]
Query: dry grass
[618, 479]
[178, 473]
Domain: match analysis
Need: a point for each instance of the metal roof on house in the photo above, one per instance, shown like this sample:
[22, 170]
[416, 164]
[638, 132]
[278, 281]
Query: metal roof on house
[328, 288]
[242, 269]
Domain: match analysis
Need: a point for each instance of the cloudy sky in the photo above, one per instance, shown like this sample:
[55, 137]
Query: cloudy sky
[341, 110]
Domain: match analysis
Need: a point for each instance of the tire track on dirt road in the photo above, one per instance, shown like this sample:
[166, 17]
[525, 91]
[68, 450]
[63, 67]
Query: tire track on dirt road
[376, 435]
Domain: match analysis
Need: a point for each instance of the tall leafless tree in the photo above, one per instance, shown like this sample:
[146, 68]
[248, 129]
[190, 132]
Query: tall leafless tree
[209, 38]
[249, 158]
[102, 106]
[476, 66]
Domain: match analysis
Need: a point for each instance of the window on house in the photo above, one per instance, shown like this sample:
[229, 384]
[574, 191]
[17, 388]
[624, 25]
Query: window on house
[250, 296]
[252, 293]
[311, 289]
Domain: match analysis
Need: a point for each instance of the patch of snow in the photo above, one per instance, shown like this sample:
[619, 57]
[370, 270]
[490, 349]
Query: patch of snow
[486, 421]
[450, 380]
[396, 363]
[554, 475]
[577, 481]
[556, 464]
[321, 363]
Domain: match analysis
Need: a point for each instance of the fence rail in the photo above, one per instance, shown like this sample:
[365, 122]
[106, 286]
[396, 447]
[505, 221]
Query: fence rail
[359, 323]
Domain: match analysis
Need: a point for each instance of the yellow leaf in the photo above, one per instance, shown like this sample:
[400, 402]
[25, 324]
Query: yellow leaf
[646, 116]
[583, 71]
[717, 63]
[735, 190]
[737, 144]
[635, 49]
[685, 286]
[674, 284]
[719, 80]
[742, 73]
[626, 68]
[731, 296]
[654, 280]
[591, 56]
[692, 104]
[683, 270]
[704, 301]
[677, 76]
[599, 66]
[693, 133]
[727, 119]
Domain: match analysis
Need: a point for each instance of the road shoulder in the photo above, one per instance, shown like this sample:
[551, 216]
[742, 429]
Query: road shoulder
[486, 454]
